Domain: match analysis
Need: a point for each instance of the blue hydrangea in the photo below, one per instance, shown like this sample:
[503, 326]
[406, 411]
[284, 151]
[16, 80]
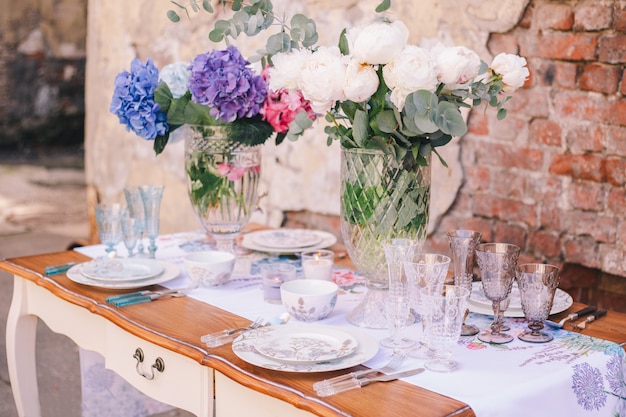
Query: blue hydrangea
[224, 81]
[133, 100]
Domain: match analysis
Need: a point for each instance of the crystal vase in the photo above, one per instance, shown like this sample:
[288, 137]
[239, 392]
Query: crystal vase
[381, 199]
[222, 181]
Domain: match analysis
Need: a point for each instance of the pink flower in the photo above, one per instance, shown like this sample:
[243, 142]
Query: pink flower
[231, 172]
[223, 169]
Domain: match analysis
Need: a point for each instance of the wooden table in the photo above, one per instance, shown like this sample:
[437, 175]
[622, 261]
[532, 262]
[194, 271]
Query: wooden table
[205, 382]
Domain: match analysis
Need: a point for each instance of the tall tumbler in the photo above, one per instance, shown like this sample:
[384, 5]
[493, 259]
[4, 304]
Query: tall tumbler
[151, 196]
[463, 245]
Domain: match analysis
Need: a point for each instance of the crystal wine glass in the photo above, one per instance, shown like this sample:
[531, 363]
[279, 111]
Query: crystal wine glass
[504, 306]
[136, 211]
[130, 232]
[151, 196]
[109, 220]
[444, 307]
[463, 244]
[497, 263]
[537, 284]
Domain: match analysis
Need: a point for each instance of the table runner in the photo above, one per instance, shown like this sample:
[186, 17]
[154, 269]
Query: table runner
[573, 375]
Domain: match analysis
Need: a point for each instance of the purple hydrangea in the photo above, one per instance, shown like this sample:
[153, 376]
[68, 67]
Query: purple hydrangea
[133, 100]
[224, 81]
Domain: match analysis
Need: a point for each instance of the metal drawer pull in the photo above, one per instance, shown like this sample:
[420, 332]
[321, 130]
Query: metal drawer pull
[159, 365]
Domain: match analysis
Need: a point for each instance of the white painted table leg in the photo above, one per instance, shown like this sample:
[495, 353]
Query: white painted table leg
[20, 343]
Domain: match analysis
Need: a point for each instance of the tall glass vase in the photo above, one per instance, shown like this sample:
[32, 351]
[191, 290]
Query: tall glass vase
[380, 200]
[222, 181]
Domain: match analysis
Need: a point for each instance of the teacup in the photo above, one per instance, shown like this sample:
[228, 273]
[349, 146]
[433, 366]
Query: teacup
[309, 299]
[209, 268]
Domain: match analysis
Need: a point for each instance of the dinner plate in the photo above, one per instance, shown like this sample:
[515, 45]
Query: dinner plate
[479, 303]
[286, 238]
[305, 346]
[170, 271]
[327, 239]
[122, 269]
[244, 348]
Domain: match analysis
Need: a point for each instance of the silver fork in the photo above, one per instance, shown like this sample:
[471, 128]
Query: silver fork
[222, 337]
[392, 365]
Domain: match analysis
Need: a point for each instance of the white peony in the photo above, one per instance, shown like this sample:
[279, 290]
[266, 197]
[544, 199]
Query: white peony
[176, 76]
[457, 66]
[512, 70]
[286, 71]
[361, 81]
[413, 69]
[322, 78]
[378, 43]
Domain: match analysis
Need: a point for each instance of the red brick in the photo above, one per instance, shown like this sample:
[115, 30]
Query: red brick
[545, 244]
[550, 215]
[526, 20]
[585, 138]
[478, 122]
[497, 155]
[616, 202]
[507, 129]
[545, 132]
[579, 106]
[615, 112]
[508, 184]
[600, 78]
[619, 16]
[616, 171]
[569, 46]
[544, 188]
[503, 42]
[615, 140]
[581, 250]
[623, 89]
[583, 167]
[593, 16]
[510, 233]
[612, 49]
[585, 195]
[599, 227]
[530, 103]
[477, 178]
[507, 209]
[554, 16]
[555, 73]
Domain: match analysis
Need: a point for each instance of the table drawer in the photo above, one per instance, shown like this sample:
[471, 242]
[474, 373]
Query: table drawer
[160, 373]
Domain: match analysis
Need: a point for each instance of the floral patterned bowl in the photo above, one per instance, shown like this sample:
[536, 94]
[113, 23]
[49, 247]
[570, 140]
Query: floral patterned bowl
[309, 299]
[209, 268]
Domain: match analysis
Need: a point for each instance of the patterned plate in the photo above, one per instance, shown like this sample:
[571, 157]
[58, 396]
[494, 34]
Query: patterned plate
[286, 238]
[122, 269]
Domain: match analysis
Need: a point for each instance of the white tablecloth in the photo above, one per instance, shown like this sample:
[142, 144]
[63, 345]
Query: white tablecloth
[574, 375]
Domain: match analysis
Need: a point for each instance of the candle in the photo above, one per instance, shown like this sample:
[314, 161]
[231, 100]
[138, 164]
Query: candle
[318, 265]
[273, 276]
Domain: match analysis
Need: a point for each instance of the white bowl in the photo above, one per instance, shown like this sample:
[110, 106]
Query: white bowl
[209, 268]
[309, 299]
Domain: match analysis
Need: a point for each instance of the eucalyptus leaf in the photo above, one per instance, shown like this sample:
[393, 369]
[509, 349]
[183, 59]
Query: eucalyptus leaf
[206, 5]
[173, 16]
[359, 127]
[449, 119]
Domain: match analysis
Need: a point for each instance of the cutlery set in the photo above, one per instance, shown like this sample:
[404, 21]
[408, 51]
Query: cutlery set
[591, 313]
[226, 336]
[145, 296]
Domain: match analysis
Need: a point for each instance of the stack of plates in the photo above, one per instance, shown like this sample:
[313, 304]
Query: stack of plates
[305, 348]
[123, 273]
[479, 303]
[287, 240]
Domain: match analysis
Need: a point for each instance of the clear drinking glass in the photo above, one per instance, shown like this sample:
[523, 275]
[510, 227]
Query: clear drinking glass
[109, 220]
[130, 232]
[423, 270]
[463, 245]
[397, 312]
[497, 263]
[151, 196]
[504, 306]
[136, 211]
[537, 284]
[444, 308]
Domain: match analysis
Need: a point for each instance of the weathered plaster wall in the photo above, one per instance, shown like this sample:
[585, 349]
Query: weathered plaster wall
[298, 176]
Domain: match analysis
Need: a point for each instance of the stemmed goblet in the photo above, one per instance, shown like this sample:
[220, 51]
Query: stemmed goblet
[397, 306]
[109, 220]
[444, 307]
[151, 196]
[130, 232]
[463, 244]
[497, 263]
[136, 211]
[537, 284]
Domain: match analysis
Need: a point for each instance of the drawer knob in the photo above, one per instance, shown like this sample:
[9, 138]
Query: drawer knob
[159, 365]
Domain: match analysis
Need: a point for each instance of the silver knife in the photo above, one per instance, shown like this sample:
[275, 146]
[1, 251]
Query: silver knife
[571, 317]
[353, 383]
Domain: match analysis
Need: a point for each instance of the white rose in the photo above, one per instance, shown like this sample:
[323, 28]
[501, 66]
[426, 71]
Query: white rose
[512, 70]
[457, 66]
[361, 81]
[413, 69]
[286, 69]
[176, 76]
[322, 78]
[377, 43]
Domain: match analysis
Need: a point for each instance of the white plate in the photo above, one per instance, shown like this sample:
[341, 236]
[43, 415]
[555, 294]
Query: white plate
[478, 303]
[327, 239]
[305, 346]
[170, 271]
[286, 238]
[122, 269]
[243, 347]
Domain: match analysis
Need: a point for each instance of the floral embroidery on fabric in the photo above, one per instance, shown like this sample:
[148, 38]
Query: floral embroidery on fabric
[588, 387]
